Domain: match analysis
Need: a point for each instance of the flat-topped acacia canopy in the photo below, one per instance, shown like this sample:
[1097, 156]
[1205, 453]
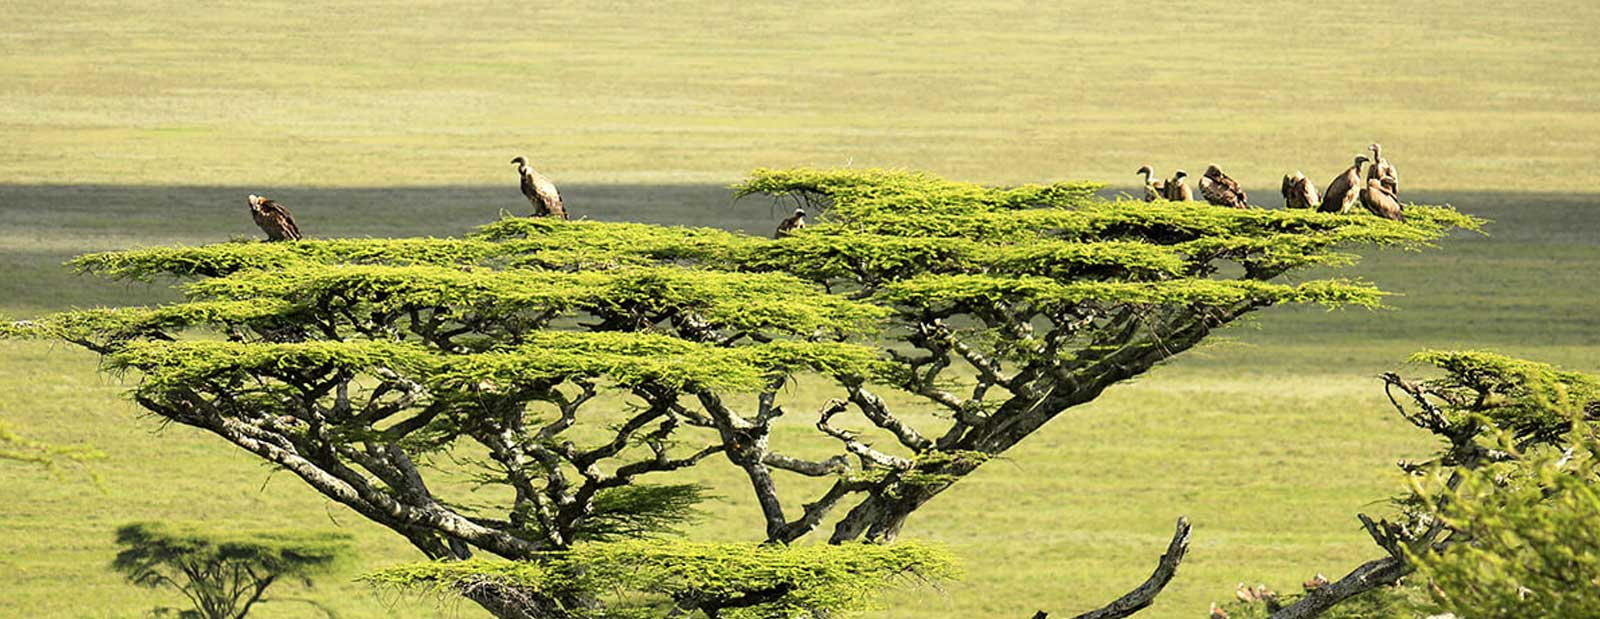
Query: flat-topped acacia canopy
[347, 360]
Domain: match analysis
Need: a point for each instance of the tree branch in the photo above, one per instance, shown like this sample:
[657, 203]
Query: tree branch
[1143, 595]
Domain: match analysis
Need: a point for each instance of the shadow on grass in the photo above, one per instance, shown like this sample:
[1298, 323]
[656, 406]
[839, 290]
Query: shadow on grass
[1530, 282]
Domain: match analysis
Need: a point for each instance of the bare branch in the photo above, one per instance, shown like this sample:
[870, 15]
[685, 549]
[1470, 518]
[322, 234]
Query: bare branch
[1368, 576]
[877, 411]
[865, 452]
[810, 468]
[1143, 595]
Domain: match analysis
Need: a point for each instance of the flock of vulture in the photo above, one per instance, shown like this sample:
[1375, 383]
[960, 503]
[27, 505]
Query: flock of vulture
[1380, 193]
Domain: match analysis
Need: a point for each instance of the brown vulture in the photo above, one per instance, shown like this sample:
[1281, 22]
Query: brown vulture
[273, 219]
[1298, 192]
[540, 191]
[1317, 582]
[1343, 191]
[1382, 170]
[1380, 201]
[1177, 190]
[1153, 189]
[1221, 190]
[791, 223]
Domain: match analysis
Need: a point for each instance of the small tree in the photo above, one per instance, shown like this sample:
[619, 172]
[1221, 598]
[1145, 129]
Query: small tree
[996, 309]
[1500, 522]
[222, 573]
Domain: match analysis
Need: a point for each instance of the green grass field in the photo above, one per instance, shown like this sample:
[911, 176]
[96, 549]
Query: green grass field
[128, 127]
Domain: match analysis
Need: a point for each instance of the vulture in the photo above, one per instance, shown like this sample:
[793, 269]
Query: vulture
[791, 223]
[1153, 189]
[1317, 582]
[273, 219]
[1258, 594]
[1221, 190]
[1218, 613]
[1382, 170]
[1298, 192]
[540, 191]
[1381, 202]
[1176, 190]
[1342, 192]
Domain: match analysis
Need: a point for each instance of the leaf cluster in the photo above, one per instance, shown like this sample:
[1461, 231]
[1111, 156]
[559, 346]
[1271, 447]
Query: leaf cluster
[640, 577]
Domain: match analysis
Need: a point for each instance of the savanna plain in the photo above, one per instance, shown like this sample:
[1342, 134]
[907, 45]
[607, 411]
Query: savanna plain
[129, 126]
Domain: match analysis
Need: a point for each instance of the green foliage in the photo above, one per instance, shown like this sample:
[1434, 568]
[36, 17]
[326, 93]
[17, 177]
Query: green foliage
[938, 290]
[223, 572]
[173, 368]
[642, 510]
[642, 577]
[1527, 542]
[1526, 398]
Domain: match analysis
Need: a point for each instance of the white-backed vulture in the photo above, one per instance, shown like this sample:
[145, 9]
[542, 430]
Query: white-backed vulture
[1342, 192]
[1380, 201]
[1221, 190]
[1153, 189]
[1177, 190]
[273, 219]
[791, 223]
[540, 191]
[1298, 192]
[1383, 171]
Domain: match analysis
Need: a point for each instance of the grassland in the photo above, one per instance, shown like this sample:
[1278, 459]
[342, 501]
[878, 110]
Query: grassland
[1470, 95]
[138, 126]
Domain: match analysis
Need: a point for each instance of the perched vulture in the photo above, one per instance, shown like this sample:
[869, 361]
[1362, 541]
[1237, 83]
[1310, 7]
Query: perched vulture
[1343, 191]
[1259, 594]
[1221, 190]
[540, 191]
[1153, 189]
[1177, 190]
[1382, 170]
[273, 219]
[1380, 201]
[791, 223]
[1298, 192]
[1317, 582]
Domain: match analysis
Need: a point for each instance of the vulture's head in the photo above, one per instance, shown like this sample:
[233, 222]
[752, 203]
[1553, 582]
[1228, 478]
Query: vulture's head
[1360, 159]
[1212, 171]
[1180, 175]
[254, 201]
[520, 161]
[1375, 148]
[1145, 170]
[799, 212]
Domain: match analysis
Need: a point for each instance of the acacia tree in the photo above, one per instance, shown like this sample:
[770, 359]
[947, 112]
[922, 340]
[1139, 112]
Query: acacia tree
[348, 362]
[1499, 521]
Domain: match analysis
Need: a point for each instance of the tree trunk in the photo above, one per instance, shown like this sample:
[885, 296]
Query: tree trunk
[514, 603]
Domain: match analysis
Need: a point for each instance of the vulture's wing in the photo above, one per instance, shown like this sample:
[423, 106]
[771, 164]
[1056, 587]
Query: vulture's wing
[281, 219]
[1334, 198]
[1308, 192]
[543, 194]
